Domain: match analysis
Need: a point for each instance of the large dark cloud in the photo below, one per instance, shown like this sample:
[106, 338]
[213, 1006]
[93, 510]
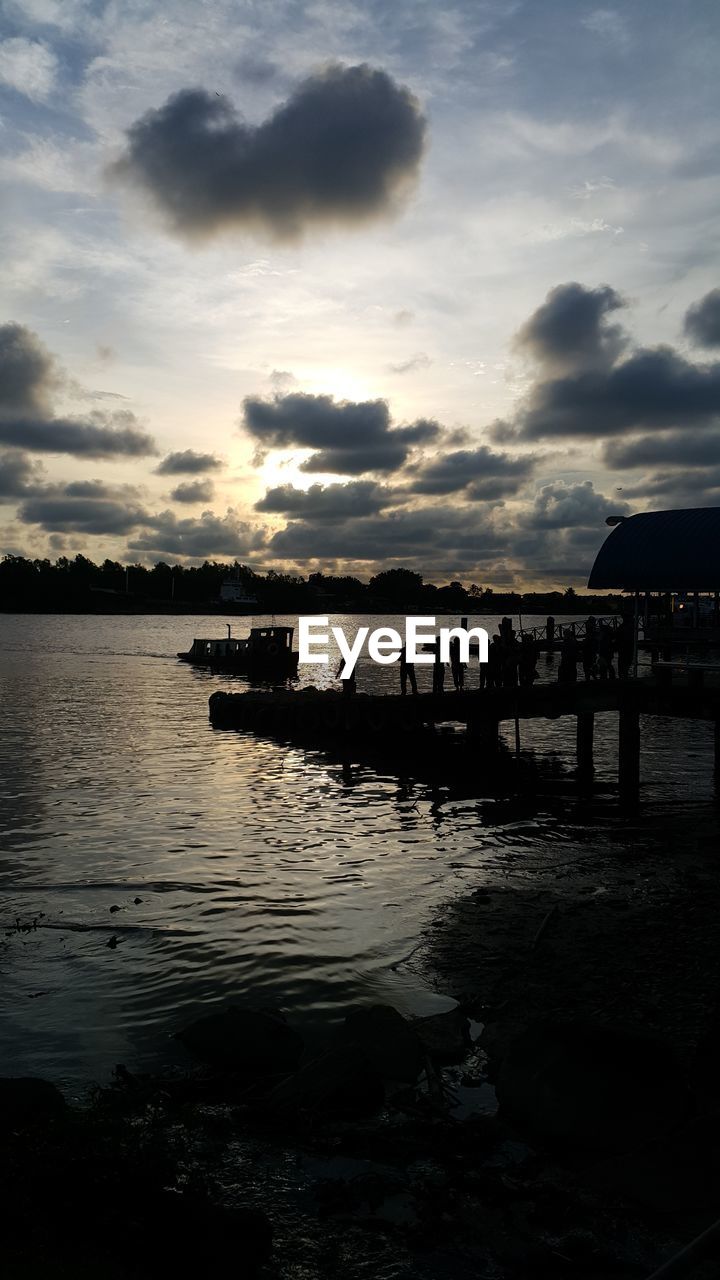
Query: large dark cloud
[351, 438]
[702, 320]
[653, 389]
[481, 472]
[687, 449]
[333, 502]
[209, 535]
[588, 385]
[20, 476]
[194, 491]
[88, 507]
[29, 377]
[570, 330]
[188, 462]
[339, 150]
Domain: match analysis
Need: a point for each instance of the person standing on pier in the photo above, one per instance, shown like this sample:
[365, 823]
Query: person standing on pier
[605, 654]
[493, 668]
[407, 673]
[438, 671]
[349, 685]
[511, 656]
[567, 671]
[456, 666]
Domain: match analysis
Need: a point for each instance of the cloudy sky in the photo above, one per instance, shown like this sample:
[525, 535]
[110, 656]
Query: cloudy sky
[347, 284]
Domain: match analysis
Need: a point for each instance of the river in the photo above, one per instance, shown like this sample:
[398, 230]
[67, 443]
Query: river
[153, 868]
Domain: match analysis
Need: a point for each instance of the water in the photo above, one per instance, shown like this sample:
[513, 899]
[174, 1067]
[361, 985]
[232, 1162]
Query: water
[265, 873]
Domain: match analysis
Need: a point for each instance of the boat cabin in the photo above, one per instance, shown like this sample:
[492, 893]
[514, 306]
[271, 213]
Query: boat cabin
[206, 650]
[271, 642]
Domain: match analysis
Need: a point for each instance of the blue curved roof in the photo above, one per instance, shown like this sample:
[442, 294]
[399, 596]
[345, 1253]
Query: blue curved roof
[661, 551]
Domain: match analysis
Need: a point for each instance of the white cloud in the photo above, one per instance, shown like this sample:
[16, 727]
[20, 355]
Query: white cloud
[28, 66]
[52, 165]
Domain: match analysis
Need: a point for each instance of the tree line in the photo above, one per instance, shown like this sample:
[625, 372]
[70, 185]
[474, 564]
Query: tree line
[80, 586]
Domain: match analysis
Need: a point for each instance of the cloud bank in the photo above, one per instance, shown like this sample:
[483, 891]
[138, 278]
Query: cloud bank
[85, 507]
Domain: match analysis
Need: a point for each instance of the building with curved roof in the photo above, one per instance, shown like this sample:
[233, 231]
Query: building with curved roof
[673, 551]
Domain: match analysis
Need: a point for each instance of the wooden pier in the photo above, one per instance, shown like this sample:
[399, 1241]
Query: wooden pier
[312, 715]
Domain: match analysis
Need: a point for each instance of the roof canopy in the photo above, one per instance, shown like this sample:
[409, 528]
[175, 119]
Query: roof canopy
[661, 551]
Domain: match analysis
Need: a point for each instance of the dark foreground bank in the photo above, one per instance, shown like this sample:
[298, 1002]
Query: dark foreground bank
[381, 1152]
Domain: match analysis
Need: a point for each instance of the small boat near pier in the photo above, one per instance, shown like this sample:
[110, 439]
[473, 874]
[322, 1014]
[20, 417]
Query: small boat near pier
[266, 654]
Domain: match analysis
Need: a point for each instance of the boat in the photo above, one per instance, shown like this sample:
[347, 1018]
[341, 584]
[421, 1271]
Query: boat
[235, 598]
[265, 654]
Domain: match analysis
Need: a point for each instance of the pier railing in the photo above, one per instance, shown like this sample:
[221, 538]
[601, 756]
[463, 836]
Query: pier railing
[578, 628]
[540, 634]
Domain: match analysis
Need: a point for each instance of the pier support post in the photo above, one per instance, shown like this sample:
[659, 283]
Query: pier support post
[629, 753]
[717, 750]
[585, 732]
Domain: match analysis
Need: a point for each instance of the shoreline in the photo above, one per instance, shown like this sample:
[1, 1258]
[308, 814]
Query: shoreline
[346, 1167]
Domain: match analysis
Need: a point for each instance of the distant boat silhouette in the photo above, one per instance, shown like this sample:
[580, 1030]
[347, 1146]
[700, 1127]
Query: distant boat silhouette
[236, 595]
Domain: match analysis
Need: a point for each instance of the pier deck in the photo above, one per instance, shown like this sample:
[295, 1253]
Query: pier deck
[364, 713]
[390, 718]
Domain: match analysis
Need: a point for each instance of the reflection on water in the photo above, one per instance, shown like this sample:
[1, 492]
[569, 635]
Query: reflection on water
[225, 866]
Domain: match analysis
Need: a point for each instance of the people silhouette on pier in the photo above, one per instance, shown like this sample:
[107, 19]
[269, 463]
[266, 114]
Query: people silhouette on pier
[606, 648]
[567, 671]
[493, 667]
[456, 666]
[349, 684]
[407, 673]
[510, 654]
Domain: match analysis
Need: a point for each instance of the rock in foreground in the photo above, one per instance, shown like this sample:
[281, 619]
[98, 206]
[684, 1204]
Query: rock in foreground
[249, 1041]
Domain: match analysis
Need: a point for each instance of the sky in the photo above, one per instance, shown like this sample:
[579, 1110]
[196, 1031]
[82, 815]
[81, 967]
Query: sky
[344, 285]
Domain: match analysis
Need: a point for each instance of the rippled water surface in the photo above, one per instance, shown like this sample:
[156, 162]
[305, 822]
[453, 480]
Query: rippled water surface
[239, 867]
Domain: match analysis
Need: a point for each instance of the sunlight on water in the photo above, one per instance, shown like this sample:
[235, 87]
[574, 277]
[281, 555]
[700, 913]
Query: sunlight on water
[226, 866]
